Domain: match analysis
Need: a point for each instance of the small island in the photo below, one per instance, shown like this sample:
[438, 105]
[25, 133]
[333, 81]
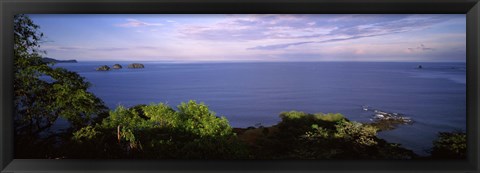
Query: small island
[103, 68]
[117, 66]
[136, 65]
[51, 60]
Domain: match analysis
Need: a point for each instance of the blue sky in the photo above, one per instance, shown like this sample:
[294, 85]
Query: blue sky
[228, 37]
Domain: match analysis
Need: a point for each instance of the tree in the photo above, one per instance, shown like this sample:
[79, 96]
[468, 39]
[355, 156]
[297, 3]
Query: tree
[157, 131]
[43, 94]
[450, 145]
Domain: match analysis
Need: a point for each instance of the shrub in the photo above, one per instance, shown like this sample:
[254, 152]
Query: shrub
[198, 119]
[450, 145]
[158, 131]
[331, 117]
[356, 132]
[345, 140]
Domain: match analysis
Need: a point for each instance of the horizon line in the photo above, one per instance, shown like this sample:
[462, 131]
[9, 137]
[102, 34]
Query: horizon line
[170, 61]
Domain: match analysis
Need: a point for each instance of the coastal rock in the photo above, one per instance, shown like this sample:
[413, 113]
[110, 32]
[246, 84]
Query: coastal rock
[387, 120]
[103, 68]
[117, 66]
[136, 65]
[380, 115]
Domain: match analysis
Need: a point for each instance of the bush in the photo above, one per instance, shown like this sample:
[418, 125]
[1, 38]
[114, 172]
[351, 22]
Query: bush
[450, 145]
[330, 117]
[199, 120]
[158, 131]
[356, 133]
[331, 136]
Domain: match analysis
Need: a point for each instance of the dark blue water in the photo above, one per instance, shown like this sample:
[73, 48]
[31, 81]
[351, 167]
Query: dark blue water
[250, 93]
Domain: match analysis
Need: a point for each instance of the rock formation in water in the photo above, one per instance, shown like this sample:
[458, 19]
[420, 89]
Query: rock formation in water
[103, 68]
[387, 120]
[136, 65]
[117, 66]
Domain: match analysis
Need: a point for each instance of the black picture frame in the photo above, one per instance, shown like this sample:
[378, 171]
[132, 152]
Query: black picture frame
[8, 8]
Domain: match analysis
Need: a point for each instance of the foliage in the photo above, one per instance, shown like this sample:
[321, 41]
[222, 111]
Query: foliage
[325, 136]
[158, 131]
[88, 132]
[197, 119]
[356, 132]
[450, 145]
[297, 123]
[330, 117]
[43, 94]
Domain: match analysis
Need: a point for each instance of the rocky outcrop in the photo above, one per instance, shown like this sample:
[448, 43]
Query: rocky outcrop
[103, 68]
[387, 120]
[136, 65]
[117, 66]
[380, 115]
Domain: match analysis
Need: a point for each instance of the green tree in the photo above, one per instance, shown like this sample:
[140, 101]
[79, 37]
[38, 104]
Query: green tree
[326, 136]
[42, 94]
[158, 131]
[450, 145]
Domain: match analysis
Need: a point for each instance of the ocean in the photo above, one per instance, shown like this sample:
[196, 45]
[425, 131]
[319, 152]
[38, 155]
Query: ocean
[255, 93]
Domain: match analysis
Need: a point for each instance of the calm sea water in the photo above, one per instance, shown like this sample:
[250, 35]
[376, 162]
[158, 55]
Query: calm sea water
[251, 93]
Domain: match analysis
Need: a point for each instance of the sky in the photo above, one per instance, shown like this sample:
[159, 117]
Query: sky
[250, 37]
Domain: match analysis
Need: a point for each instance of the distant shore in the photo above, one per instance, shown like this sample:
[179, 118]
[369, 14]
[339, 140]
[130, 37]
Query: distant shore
[50, 60]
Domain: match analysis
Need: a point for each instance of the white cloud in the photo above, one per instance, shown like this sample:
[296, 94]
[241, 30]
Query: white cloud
[137, 23]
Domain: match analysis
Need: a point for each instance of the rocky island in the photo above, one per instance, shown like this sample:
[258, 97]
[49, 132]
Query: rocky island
[103, 68]
[117, 66]
[136, 65]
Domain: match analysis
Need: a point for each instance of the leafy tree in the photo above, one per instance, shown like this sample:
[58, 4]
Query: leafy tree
[450, 145]
[325, 136]
[43, 94]
[199, 120]
[158, 131]
[356, 132]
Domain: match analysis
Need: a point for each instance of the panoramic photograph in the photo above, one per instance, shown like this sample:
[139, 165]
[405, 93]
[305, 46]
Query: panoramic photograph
[240, 86]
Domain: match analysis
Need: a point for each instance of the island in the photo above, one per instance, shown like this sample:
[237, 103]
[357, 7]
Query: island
[103, 68]
[136, 65]
[51, 60]
[117, 66]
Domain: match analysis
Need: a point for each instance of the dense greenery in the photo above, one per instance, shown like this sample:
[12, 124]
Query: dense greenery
[45, 95]
[325, 136]
[450, 145]
[42, 94]
[158, 131]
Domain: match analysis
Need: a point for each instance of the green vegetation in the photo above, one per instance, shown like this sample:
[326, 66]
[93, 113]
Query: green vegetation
[158, 131]
[325, 136]
[44, 95]
[450, 145]
[194, 132]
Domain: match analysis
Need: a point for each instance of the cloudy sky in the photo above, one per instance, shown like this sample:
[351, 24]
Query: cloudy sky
[318, 37]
